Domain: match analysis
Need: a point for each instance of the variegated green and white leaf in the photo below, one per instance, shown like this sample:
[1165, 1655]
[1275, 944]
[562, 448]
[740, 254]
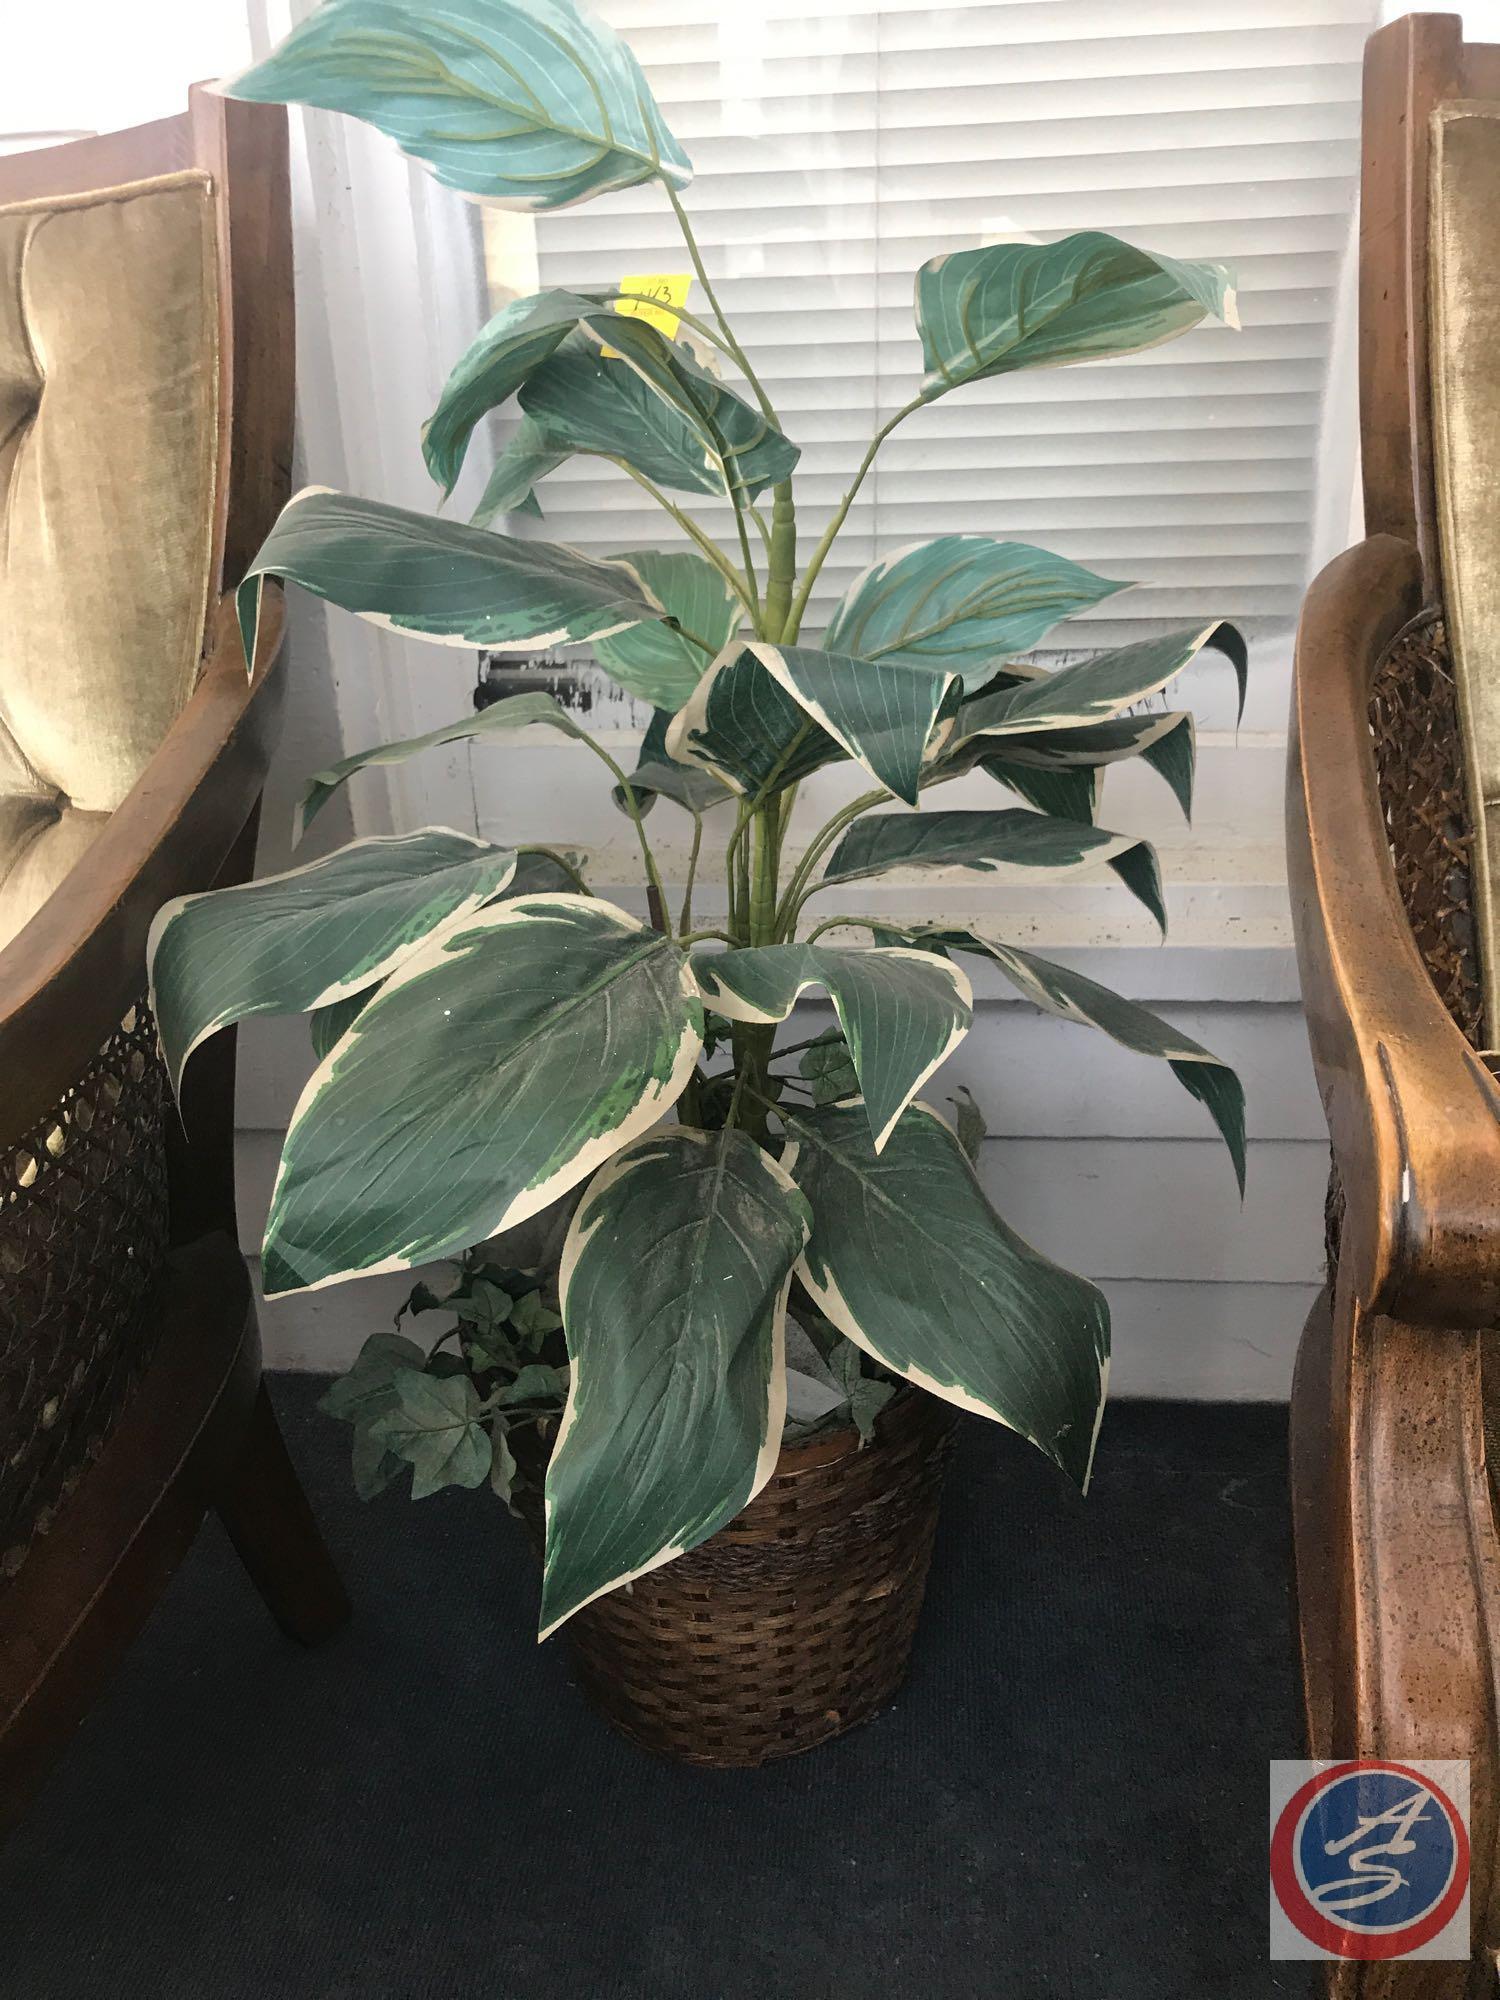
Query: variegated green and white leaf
[743, 448]
[1061, 991]
[985, 842]
[522, 463]
[909, 1260]
[1094, 690]
[1043, 305]
[441, 580]
[1059, 770]
[517, 711]
[586, 400]
[659, 663]
[674, 1285]
[964, 602]
[538, 872]
[520, 337]
[290, 943]
[1064, 791]
[885, 714]
[529, 103]
[657, 774]
[899, 1022]
[742, 725]
[504, 1060]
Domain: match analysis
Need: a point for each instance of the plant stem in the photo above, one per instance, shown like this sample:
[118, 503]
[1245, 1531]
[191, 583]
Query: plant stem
[689, 319]
[842, 921]
[782, 553]
[685, 916]
[697, 937]
[732, 345]
[692, 530]
[763, 880]
[817, 847]
[656, 895]
[820, 553]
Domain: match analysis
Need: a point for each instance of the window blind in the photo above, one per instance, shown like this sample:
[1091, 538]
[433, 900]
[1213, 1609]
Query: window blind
[837, 148]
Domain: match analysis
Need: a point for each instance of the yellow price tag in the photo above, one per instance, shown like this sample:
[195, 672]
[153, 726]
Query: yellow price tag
[657, 297]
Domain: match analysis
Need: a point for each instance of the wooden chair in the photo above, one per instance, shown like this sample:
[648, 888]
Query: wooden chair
[145, 437]
[1394, 832]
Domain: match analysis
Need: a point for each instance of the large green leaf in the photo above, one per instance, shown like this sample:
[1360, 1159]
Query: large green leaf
[658, 663]
[963, 601]
[742, 447]
[531, 103]
[899, 1022]
[290, 943]
[1094, 690]
[1070, 995]
[441, 579]
[522, 462]
[1064, 791]
[1041, 305]
[909, 1260]
[984, 842]
[586, 400]
[883, 713]
[488, 373]
[743, 725]
[501, 1063]
[674, 1284]
[517, 711]
[1059, 770]
[658, 774]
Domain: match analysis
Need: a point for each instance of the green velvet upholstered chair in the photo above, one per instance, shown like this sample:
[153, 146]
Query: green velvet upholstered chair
[1393, 819]
[145, 434]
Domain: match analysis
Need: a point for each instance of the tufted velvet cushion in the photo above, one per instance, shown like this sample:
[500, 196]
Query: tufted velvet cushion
[1464, 305]
[108, 449]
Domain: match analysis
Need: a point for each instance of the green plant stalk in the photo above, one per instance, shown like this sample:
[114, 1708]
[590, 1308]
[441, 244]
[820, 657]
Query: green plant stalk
[691, 529]
[782, 554]
[685, 915]
[797, 891]
[730, 340]
[841, 514]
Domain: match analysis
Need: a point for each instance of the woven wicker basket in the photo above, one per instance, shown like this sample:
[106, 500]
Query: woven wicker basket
[792, 1624]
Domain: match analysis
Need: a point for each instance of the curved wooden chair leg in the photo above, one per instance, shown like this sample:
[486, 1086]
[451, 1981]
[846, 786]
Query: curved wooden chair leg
[1398, 1582]
[270, 1522]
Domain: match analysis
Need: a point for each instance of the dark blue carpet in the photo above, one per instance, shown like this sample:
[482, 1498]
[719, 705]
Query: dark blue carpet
[1069, 1798]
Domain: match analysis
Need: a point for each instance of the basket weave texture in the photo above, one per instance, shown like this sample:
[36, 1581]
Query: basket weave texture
[793, 1623]
[83, 1238]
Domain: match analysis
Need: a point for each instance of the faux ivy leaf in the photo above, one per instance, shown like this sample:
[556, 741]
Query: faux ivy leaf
[659, 774]
[290, 943]
[502, 1465]
[658, 663]
[533, 1320]
[434, 1425]
[520, 337]
[865, 1396]
[535, 1383]
[496, 1068]
[530, 103]
[1093, 690]
[1059, 990]
[1042, 305]
[829, 1068]
[900, 1023]
[963, 602]
[910, 1261]
[674, 1284]
[441, 580]
[984, 842]
[366, 1385]
[522, 462]
[373, 1465]
[583, 400]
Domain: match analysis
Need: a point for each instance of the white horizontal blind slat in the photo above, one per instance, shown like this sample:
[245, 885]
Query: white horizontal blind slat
[837, 148]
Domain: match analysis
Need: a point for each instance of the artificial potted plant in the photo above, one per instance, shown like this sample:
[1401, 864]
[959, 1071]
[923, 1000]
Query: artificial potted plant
[490, 1036]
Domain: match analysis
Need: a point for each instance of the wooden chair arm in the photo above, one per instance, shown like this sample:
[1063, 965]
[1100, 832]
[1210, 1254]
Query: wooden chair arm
[72, 972]
[1414, 1115]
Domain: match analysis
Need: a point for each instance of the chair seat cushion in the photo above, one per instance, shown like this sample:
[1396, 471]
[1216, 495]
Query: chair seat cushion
[109, 439]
